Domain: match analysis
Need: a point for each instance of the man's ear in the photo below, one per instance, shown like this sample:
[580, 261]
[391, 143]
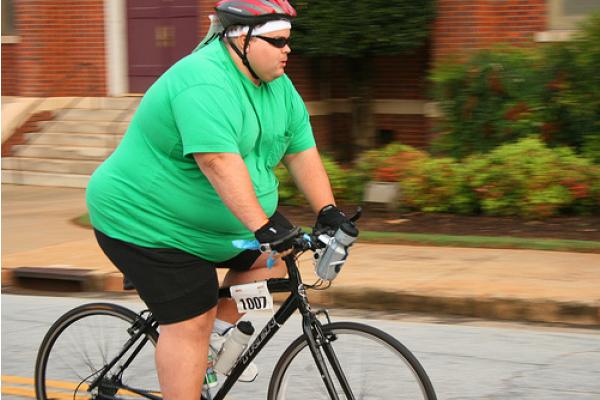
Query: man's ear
[242, 41]
[239, 41]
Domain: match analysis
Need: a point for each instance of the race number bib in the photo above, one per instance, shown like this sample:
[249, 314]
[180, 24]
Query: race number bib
[252, 297]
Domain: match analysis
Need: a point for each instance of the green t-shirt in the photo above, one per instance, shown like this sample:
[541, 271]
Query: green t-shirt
[150, 191]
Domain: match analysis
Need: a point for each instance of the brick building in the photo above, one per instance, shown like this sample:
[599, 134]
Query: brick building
[118, 47]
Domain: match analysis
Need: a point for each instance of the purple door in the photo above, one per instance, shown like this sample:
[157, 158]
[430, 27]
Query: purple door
[159, 32]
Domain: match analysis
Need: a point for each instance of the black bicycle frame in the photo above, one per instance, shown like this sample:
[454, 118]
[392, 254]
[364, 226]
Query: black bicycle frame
[297, 300]
[139, 328]
[312, 328]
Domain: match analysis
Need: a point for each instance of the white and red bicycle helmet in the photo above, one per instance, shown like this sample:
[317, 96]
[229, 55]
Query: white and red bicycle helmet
[251, 13]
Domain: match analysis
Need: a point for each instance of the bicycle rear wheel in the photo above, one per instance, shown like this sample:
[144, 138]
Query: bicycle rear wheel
[376, 366]
[79, 346]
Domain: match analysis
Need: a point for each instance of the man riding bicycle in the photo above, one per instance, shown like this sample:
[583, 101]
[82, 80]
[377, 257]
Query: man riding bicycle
[194, 172]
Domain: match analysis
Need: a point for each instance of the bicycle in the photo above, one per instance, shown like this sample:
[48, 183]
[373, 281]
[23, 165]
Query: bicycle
[353, 360]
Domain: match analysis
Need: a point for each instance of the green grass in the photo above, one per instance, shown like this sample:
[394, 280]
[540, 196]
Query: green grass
[495, 242]
[83, 220]
[432, 239]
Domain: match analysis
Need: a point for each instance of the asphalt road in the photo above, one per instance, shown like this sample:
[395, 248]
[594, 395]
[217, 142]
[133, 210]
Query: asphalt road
[465, 359]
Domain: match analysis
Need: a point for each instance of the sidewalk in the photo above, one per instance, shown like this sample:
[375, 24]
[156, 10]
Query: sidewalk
[518, 285]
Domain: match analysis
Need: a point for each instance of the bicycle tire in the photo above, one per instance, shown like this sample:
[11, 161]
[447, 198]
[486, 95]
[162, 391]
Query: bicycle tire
[295, 375]
[59, 376]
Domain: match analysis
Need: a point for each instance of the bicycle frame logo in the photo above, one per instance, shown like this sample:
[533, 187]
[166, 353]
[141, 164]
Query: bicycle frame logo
[261, 337]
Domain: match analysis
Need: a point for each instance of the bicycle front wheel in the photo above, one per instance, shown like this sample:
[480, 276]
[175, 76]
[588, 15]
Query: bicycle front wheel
[375, 365]
[81, 345]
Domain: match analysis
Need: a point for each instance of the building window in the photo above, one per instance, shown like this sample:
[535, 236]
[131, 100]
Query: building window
[8, 18]
[566, 14]
[384, 136]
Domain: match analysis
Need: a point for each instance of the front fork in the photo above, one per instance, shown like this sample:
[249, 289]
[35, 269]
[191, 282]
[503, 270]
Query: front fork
[317, 341]
[316, 338]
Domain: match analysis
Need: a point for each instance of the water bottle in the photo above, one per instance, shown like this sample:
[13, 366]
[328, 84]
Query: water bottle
[233, 347]
[210, 380]
[329, 263]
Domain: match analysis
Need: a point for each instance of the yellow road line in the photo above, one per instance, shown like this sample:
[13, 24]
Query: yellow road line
[21, 391]
[16, 379]
[49, 383]
[18, 391]
[25, 392]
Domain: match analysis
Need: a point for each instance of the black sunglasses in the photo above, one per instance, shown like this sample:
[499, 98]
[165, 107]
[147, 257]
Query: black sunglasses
[279, 42]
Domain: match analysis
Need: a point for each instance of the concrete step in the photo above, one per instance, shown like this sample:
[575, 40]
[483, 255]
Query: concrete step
[75, 139]
[63, 278]
[44, 179]
[83, 127]
[63, 152]
[66, 150]
[104, 115]
[77, 167]
[109, 103]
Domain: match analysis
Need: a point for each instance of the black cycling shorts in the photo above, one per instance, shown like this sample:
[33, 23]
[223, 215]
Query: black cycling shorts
[175, 285]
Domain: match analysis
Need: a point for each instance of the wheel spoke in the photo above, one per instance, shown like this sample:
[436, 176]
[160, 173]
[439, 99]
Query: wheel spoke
[83, 343]
[375, 365]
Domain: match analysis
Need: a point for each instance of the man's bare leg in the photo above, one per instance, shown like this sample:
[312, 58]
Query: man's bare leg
[181, 356]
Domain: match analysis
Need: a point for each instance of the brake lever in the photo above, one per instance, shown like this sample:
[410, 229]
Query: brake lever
[267, 247]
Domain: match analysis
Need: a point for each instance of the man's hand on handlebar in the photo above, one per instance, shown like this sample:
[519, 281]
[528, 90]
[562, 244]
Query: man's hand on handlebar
[284, 238]
[329, 220]
[277, 237]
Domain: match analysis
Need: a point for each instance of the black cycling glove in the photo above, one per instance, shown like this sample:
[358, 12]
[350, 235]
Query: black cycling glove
[279, 237]
[329, 220]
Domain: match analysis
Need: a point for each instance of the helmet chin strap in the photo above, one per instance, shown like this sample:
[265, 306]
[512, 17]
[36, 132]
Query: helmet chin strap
[243, 56]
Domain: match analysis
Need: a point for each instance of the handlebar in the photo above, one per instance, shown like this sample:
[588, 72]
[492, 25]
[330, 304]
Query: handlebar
[330, 248]
[302, 241]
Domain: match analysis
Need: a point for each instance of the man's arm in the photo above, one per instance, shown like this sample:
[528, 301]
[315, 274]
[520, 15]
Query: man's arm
[229, 176]
[311, 178]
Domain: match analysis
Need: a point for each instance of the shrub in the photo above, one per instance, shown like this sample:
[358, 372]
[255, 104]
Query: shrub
[582, 179]
[370, 160]
[495, 97]
[388, 164]
[437, 185]
[526, 178]
[576, 87]
[398, 166]
[532, 180]
[502, 95]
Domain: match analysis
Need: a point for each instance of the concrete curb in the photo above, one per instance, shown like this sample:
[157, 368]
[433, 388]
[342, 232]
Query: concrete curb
[531, 310]
[355, 297]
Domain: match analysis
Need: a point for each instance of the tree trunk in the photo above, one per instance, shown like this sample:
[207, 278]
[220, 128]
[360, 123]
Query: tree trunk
[363, 120]
[362, 127]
